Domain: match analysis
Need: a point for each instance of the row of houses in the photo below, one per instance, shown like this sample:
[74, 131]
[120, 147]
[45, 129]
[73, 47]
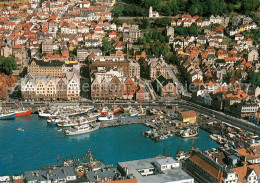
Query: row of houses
[46, 87]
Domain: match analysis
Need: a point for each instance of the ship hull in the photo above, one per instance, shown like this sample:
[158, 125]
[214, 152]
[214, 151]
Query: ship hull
[115, 119]
[80, 132]
[194, 135]
[7, 116]
[114, 111]
[23, 113]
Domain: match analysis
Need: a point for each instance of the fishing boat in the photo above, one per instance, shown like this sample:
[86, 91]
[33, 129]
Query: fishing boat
[106, 110]
[80, 112]
[53, 120]
[94, 115]
[190, 133]
[111, 117]
[81, 129]
[7, 116]
[75, 121]
[23, 112]
[47, 114]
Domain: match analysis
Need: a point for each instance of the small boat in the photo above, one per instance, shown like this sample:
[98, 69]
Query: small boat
[108, 117]
[20, 129]
[44, 114]
[111, 117]
[23, 112]
[59, 130]
[94, 115]
[189, 133]
[7, 116]
[81, 129]
[105, 110]
[75, 122]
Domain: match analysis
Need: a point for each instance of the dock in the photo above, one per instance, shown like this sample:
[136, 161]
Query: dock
[139, 120]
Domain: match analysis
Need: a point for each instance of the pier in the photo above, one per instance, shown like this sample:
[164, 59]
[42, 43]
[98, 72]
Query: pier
[139, 120]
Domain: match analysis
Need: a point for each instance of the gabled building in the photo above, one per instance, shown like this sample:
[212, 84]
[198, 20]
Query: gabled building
[158, 67]
[247, 174]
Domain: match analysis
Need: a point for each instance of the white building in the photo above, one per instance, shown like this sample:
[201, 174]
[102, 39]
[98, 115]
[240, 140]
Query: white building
[153, 170]
[152, 13]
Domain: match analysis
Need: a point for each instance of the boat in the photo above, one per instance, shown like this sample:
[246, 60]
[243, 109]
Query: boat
[105, 110]
[190, 133]
[75, 122]
[81, 129]
[111, 117]
[23, 112]
[94, 115]
[20, 129]
[47, 114]
[7, 116]
[59, 130]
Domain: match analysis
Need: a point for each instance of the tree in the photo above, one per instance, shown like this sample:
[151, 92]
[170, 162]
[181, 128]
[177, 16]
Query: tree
[166, 9]
[106, 45]
[144, 69]
[162, 22]
[254, 78]
[144, 24]
[193, 30]
[174, 7]
[7, 65]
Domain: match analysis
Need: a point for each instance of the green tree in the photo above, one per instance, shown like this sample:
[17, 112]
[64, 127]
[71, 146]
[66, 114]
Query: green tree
[144, 24]
[162, 22]
[174, 7]
[144, 69]
[254, 78]
[166, 9]
[7, 65]
[106, 46]
[193, 30]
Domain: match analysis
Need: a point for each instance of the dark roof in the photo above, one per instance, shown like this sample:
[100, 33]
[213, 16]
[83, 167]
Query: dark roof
[53, 63]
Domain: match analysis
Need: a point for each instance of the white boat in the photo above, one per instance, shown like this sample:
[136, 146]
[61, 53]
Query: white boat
[77, 121]
[94, 115]
[20, 129]
[106, 110]
[111, 117]
[48, 114]
[108, 117]
[190, 133]
[86, 128]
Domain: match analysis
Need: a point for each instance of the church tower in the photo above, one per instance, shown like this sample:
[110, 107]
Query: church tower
[150, 12]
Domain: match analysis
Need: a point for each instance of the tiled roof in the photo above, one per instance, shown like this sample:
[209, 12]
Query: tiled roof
[206, 166]
[188, 114]
[243, 171]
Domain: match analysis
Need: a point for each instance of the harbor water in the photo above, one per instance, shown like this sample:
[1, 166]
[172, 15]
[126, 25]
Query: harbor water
[39, 144]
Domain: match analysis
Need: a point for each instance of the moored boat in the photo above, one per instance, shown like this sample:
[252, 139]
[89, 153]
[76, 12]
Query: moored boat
[23, 112]
[190, 133]
[67, 122]
[105, 110]
[81, 129]
[111, 117]
[44, 114]
[7, 116]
